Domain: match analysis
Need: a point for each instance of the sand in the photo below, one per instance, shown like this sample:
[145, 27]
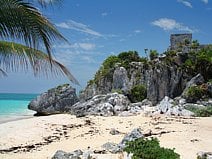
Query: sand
[41, 137]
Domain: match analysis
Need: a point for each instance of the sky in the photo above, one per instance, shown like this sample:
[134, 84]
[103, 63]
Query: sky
[97, 29]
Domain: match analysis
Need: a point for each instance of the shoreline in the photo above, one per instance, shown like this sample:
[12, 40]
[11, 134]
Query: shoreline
[15, 117]
[42, 136]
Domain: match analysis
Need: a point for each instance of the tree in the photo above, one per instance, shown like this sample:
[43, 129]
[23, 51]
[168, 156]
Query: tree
[27, 37]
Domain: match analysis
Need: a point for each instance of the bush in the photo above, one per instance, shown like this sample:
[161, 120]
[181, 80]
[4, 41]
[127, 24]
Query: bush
[149, 149]
[200, 111]
[153, 54]
[127, 57]
[194, 93]
[138, 93]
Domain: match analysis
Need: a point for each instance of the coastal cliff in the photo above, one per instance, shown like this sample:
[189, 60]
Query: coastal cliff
[165, 75]
[182, 73]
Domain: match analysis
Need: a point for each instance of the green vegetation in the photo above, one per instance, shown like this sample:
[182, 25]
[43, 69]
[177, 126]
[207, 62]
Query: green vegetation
[123, 59]
[200, 111]
[170, 53]
[127, 57]
[22, 22]
[200, 62]
[194, 93]
[106, 70]
[194, 44]
[153, 54]
[149, 149]
[138, 93]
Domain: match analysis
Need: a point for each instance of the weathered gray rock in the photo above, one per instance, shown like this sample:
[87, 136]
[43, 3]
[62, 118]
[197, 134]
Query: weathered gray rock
[169, 107]
[160, 80]
[113, 131]
[120, 79]
[204, 155]
[64, 155]
[134, 134]
[146, 102]
[115, 148]
[165, 105]
[111, 147]
[196, 80]
[55, 100]
[104, 105]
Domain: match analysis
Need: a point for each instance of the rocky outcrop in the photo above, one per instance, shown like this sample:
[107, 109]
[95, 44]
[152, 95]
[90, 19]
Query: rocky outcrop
[120, 79]
[160, 80]
[104, 105]
[204, 155]
[55, 100]
[196, 80]
[107, 147]
[169, 107]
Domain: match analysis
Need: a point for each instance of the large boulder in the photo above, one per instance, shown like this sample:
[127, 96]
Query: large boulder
[196, 80]
[55, 100]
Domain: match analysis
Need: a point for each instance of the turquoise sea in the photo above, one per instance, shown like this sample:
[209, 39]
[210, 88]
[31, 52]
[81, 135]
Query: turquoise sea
[13, 106]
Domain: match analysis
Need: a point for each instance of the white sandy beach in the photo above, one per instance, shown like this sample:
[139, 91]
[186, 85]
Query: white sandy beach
[43, 136]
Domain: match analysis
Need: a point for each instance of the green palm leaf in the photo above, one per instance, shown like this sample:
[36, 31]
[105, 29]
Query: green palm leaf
[15, 57]
[45, 3]
[21, 21]
[2, 72]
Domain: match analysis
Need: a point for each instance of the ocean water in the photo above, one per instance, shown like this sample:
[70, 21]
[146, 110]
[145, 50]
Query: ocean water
[14, 106]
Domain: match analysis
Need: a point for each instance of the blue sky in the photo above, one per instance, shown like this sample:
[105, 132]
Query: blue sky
[99, 28]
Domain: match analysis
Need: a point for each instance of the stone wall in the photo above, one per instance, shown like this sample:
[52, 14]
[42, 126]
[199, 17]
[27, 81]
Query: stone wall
[177, 39]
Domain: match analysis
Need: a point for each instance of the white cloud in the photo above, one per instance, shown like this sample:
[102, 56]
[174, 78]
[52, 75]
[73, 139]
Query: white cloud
[87, 46]
[78, 27]
[185, 3]
[104, 14]
[205, 1]
[171, 24]
[84, 46]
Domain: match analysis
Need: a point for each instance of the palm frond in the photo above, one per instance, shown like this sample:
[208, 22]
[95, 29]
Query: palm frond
[15, 57]
[2, 73]
[45, 3]
[21, 21]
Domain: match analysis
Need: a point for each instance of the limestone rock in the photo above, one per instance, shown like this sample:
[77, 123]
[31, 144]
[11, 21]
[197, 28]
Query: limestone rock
[134, 134]
[55, 100]
[169, 107]
[64, 155]
[113, 131]
[204, 155]
[104, 105]
[196, 80]
[116, 148]
[120, 79]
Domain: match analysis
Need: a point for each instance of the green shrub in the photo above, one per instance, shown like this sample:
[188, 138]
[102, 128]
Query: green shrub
[153, 54]
[200, 111]
[194, 93]
[127, 57]
[149, 149]
[138, 93]
[170, 53]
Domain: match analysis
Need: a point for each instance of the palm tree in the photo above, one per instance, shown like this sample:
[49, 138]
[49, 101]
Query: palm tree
[27, 39]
